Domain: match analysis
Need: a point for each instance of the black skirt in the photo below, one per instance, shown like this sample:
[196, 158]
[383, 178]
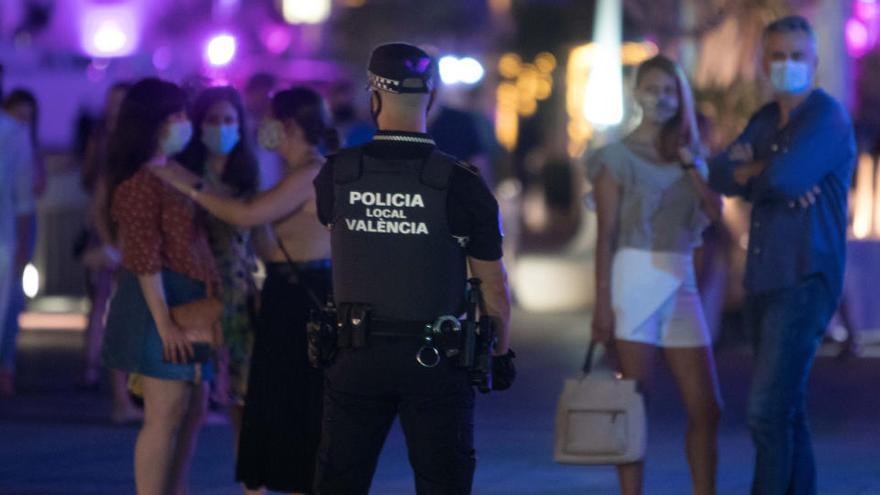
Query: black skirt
[281, 426]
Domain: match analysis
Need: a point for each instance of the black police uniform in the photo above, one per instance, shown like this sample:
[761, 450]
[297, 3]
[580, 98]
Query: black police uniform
[404, 217]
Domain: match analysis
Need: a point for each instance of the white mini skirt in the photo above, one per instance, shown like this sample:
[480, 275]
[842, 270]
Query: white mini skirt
[655, 299]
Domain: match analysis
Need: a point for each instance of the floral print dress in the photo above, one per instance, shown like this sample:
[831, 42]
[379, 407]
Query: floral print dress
[236, 264]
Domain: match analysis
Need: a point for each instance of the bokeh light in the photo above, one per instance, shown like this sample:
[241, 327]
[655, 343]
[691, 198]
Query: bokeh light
[276, 38]
[857, 37]
[454, 70]
[109, 30]
[305, 11]
[30, 281]
[220, 50]
[866, 9]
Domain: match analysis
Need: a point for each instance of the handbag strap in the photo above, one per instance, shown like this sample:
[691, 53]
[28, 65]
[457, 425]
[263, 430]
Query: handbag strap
[588, 361]
[299, 273]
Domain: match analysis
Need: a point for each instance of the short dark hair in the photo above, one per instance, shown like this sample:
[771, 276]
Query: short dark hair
[790, 24]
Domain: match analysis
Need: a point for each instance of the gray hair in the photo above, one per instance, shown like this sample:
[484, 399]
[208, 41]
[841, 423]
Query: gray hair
[790, 24]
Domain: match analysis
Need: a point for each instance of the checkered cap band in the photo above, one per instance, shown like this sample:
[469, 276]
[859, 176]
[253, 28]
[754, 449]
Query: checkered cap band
[410, 85]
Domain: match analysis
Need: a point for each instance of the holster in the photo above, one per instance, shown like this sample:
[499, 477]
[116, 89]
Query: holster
[353, 325]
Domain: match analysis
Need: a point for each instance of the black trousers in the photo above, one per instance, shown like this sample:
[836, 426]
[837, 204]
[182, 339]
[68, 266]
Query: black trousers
[366, 389]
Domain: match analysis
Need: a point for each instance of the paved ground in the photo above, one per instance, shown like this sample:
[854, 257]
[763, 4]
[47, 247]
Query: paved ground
[56, 441]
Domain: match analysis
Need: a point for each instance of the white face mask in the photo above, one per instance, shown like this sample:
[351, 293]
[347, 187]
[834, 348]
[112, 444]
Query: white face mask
[270, 134]
[790, 76]
[179, 134]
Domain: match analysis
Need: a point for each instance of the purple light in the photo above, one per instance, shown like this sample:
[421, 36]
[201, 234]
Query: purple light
[866, 9]
[857, 37]
[162, 58]
[276, 38]
[220, 50]
[109, 30]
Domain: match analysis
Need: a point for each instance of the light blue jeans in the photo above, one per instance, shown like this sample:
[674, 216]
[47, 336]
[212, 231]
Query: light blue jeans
[787, 327]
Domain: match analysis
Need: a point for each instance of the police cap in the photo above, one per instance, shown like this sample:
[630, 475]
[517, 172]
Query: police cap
[401, 68]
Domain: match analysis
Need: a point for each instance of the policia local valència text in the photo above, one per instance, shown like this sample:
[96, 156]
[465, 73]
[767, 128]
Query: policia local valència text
[385, 213]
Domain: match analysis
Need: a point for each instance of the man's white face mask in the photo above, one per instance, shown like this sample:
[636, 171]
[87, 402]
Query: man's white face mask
[790, 76]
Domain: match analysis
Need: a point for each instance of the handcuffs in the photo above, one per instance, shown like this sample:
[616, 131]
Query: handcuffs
[428, 354]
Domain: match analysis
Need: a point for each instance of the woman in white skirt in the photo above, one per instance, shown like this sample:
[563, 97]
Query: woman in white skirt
[653, 204]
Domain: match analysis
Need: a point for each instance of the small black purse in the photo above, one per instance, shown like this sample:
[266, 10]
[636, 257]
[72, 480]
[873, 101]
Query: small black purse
[321, 327]
[322, 335]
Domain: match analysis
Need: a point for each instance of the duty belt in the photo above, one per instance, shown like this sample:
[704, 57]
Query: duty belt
[413, 328]
[442, 336]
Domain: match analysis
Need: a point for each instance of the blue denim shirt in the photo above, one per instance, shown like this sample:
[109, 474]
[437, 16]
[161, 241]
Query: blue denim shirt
[788, 243]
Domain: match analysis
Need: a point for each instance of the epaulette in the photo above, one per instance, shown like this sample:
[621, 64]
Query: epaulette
[467, 166]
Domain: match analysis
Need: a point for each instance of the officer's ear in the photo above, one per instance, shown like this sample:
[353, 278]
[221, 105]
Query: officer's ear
[431, 98]
[375, 106]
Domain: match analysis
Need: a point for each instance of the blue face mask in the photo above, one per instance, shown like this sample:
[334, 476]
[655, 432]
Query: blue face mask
[790, 76]
[220, 139]
[179, 134]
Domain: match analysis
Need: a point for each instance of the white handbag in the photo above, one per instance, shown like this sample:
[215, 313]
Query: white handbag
[599, 420]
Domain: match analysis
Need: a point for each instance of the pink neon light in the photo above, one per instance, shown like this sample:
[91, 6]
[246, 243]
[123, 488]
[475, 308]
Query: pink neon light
[857, 37]
[866, 10]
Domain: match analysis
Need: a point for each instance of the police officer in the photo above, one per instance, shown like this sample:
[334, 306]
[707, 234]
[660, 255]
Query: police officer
[406, 224]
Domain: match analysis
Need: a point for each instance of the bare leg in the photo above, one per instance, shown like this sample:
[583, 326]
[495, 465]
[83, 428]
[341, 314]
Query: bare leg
[694, 372]
[636, 363]
[188, 438]
[101, 282]
[123, 409]
[165, 405]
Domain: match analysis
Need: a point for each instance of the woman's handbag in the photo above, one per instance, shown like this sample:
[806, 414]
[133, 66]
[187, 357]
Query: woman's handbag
[599, 420]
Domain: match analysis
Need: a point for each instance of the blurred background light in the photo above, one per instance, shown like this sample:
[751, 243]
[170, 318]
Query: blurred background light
[109, 30]
[470, 70]
[577, 75]
[863, 197]
[454, 70]
[866, 9]
[603, 100]
[276, 38]
[448, 69]
[858, 40]
[162, 58]
[30, 281]
[305, 11]
[220, 50]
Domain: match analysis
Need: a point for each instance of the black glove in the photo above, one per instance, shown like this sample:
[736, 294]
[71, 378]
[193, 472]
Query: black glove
[503, 371]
